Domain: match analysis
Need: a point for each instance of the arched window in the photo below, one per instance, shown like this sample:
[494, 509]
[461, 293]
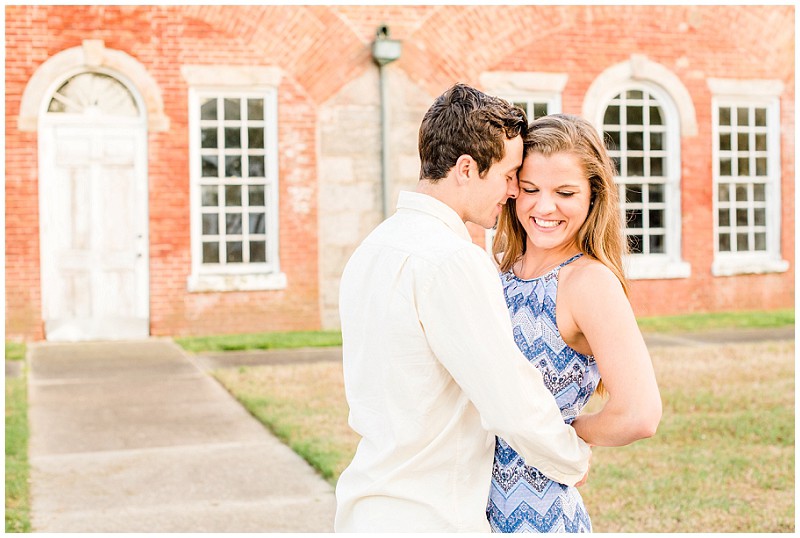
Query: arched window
[641, 109]
[87, 93]
[635, 132]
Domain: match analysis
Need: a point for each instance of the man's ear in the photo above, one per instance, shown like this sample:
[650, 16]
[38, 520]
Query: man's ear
[465, 168]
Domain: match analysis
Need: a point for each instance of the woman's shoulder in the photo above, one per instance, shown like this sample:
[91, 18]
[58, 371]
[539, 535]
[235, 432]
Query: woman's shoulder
[587, 274]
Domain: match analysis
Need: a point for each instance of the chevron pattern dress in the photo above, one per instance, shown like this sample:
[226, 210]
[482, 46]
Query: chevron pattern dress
[521, 498]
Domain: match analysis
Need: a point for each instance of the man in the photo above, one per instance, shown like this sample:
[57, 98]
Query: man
[431, 369]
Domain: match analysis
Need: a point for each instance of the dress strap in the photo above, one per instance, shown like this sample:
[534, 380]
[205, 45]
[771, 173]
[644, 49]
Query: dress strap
[572, 259]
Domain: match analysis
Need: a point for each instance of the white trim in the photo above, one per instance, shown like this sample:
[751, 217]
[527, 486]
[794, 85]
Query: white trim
[735, 93]
[246, 276]
[522, 82]
[228, 76]
[640, 69]
[92, 56]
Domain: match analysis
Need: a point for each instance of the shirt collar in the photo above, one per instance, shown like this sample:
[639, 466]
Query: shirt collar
[416, 201]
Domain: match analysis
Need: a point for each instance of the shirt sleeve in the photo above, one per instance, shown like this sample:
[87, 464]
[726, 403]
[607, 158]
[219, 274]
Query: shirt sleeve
[468, 328]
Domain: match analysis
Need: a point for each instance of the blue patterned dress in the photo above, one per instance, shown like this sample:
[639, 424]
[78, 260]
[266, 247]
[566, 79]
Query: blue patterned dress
[521, 498]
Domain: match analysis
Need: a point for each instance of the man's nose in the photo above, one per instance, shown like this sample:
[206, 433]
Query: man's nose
[513, 189]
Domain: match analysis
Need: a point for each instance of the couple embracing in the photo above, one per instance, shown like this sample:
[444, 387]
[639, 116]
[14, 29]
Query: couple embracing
[466, 375]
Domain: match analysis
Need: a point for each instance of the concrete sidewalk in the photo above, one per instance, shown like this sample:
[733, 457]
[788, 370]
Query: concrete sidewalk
[135, 437]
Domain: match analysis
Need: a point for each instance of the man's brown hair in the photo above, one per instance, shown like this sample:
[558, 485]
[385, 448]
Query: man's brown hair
[466, 121]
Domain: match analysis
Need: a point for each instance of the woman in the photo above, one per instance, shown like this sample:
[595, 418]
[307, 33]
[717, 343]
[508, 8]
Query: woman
[560, 246]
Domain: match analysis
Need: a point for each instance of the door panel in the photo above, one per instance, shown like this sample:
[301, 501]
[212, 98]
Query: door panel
[94, 214]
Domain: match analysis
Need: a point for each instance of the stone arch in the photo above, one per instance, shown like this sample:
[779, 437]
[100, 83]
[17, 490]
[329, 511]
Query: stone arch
[91, 54]
[640, 68]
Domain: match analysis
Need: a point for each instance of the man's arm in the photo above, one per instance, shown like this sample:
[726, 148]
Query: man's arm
[468, 327]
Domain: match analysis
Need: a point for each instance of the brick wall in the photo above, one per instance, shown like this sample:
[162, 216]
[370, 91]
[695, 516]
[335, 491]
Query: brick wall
[323, 52]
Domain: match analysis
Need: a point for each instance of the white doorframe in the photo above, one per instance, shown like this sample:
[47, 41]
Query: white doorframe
[66, 322]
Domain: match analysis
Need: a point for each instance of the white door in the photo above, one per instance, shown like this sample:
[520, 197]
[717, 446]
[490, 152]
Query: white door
[93, 203]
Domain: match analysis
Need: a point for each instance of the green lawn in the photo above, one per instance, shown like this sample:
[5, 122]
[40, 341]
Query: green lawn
[17, 469]
[274, 340]
[722, 320]
[722, 460]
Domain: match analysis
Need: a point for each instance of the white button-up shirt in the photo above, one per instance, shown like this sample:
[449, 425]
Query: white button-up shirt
[431, 375]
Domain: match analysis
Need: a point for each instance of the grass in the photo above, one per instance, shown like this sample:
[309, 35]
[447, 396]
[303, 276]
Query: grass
[274, 340]
[720, 320]
[17, 468]
[722, 460]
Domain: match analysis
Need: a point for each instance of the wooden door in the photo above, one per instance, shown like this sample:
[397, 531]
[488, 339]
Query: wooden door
[93, 201]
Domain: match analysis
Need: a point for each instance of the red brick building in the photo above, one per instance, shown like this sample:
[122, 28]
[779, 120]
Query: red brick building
[175, 170]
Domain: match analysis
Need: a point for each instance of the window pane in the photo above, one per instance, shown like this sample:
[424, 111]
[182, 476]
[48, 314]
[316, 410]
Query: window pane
[209, 195]
[233, 195]
[255, 138]
[636, 141]
[634, 218]
[611, 117]
[725, 141]
[633, 193]
[761, 166]
[761, 142]
[656, 141]
[233, 252]
[656, 218]
[725, 116]
[233, 137]
[741, 217]
[208, 110]
[635, 166]
[761, 117]
[741, 192]
[539, 110]
[635, 244]
[743, 166]
[612, 140]
[255, 195]
[256, 166]
[724, 243]
[208, 138]
[743, 142]
[210, 224]
[655, 116]
[760, 216]
[233, 109]
[617, 164]
[633, 115]
[724, 217]
[760, 241]
[656, 193]
[657, 166]
[725, 166]
[233, 223]
[759, 192]
[657, 244]
[724, 192]
[258, 251]
[257, 223]
[634, 94]
[741, 243]
[209, 167]
[255, 109]
[233, 166]
[211, 252]
[741, 116]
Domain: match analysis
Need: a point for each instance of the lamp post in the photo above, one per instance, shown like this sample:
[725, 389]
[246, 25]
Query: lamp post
[384, 51]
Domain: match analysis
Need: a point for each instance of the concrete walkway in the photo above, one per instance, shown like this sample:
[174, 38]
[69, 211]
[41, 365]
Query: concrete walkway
[138, 437]
[135, 437]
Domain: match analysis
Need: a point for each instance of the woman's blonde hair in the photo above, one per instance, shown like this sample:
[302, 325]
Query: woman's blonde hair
[601, 236]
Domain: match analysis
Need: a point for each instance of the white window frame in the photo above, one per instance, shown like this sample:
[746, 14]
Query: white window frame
[639, 72]
[528, 87]
[242, 83]
[762, 94]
